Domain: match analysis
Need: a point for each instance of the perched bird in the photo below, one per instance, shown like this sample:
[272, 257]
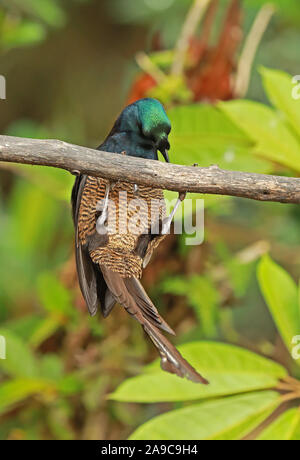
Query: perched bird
[111, 254]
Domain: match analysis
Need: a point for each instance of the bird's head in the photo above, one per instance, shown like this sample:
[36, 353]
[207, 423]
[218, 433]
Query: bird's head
[148, 125]
[155, 124]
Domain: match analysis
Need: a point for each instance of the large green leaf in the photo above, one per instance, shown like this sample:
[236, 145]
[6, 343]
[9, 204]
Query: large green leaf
[279, 88]
[15, 391]
[20, 361]
[281, 295]
[273, 137]
[229, 369]
[203, 134]
[229, 418]
[286, 427]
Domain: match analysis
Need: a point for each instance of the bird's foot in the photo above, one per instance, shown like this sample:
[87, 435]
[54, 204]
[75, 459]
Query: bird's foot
[182, 196]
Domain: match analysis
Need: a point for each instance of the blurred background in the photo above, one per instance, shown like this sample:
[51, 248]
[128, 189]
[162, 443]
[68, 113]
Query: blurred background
[70, 68]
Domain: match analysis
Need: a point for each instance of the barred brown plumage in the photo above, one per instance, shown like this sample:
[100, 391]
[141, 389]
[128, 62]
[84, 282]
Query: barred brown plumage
[119, 252]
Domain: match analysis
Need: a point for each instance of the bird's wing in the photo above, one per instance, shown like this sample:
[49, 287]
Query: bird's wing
[85, 266]
[153, 244]
[91, 281]
[129, 293]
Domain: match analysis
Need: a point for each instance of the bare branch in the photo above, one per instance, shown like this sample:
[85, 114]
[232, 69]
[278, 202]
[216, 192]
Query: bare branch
[212, 180]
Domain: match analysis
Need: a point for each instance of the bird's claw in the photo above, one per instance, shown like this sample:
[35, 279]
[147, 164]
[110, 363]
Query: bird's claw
[182, 196]
[114, 184]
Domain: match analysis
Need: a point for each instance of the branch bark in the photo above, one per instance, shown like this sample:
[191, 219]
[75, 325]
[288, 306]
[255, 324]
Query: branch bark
[212, 180]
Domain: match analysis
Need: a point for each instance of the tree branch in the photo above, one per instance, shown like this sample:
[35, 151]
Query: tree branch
[212, 180]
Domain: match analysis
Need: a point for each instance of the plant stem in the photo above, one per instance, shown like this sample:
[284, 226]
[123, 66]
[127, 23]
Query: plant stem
[248, 54]
[192, 20]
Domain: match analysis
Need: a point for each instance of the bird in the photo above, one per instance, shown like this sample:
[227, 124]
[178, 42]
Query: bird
[110, 256]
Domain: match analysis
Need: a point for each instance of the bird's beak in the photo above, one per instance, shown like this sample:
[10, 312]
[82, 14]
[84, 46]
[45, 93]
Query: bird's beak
[166, 155]
[163, 147]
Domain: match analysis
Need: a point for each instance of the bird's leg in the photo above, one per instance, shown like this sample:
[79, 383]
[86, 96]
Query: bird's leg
[103, 207]
[168, 220]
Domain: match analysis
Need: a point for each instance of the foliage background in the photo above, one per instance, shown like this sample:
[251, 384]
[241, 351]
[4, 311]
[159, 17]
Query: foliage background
[69, 68]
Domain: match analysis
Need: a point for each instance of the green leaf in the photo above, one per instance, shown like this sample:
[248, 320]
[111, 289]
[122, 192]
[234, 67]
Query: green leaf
[45, 329]
[279, 87]
[229, 369]
[26, 33]
[20, 361]
[48, 11]
[273, 138]
[280, 293]
[286, 427]
[203, 134]
[15, 391]
[54, 296]
[218, 419]
[51, 367]
[70, 385]
[241, 430]
[25, 326]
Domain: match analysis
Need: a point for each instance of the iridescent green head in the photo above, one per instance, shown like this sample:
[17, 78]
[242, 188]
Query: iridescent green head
[155, 124]
[141, 130]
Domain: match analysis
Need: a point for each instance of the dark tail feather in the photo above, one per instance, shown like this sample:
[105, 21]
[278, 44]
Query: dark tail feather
[145, 304]
[171, 359]
[129, 293]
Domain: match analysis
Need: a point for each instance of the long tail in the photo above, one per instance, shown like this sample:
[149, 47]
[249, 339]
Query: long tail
[130, 293]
